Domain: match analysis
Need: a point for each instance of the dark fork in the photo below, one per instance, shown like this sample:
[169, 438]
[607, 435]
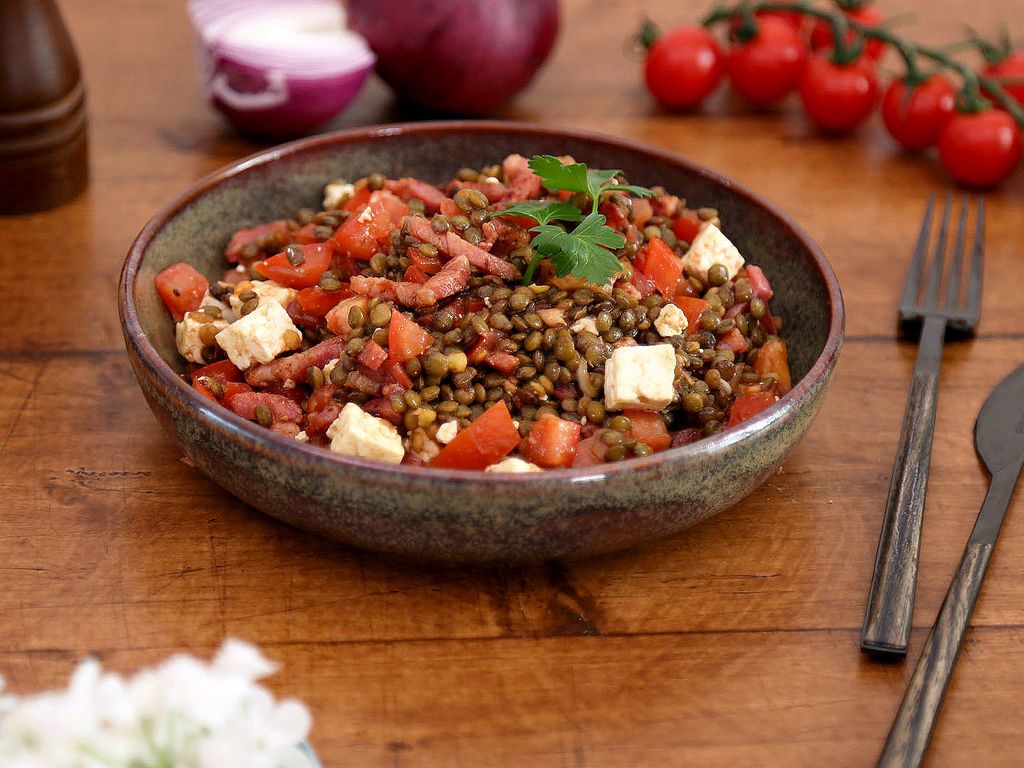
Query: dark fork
[891, 600]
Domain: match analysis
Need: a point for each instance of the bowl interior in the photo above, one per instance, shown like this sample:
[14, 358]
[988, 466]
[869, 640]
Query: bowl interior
[276, 184]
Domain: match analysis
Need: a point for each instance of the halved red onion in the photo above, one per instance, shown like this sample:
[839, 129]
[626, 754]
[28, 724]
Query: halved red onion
[278, 67]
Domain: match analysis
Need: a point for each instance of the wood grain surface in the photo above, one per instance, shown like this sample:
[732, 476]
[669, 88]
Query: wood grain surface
[734, 644]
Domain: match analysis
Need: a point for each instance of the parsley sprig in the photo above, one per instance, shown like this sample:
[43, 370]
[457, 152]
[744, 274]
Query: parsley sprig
[582, 251]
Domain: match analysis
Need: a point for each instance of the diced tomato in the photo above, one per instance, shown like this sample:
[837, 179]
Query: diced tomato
[304, 235]
[337, 318]
[733, 340]
[692, 308]
[406, 339]
[358, 200]
[649, 427]
[317, 302]
[645, 285]
[181, 287]
[759, 282]
[253, 236]
[552, 442]
[614, 216]
[222, 372]
[483, 347]
[642, 211]
[502, 361]
[396, 372]
[381, 406]
[234, 388]
[773, 358]
[415, 275]
[487, 440]
[590, 451]
[316, 261]
[663, 266]
[687, 225]
[749, 404]
[364, 232]
[431, 265]
[373, 355]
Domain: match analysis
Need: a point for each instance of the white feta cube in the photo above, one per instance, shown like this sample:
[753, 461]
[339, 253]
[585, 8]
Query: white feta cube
[267, 290]
[585, 324]
[513, 464]
[336, 193]
[188, 339]
[640, 377]
[447, 432]
[260, 336]
[302, 437]
[671, 321]
[709, 247]
[357, 433]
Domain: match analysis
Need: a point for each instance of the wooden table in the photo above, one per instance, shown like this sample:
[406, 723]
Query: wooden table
[734, 644]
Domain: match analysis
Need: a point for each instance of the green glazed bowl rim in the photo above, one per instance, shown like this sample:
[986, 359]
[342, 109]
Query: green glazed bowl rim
[265, 442]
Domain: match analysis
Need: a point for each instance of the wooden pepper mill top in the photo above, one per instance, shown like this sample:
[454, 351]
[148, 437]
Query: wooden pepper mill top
[43, 148]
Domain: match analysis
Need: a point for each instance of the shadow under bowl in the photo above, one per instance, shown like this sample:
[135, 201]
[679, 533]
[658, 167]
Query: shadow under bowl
[461, 516]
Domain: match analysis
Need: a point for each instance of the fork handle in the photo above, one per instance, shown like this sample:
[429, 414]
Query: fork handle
[890, 605]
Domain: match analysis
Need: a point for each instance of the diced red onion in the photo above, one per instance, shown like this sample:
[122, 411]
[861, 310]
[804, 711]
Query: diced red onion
[278, 67]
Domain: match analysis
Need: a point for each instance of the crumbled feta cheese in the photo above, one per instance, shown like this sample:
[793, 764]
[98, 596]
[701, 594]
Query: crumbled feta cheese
[447, 432]
[302, 437]
[336, 193]
[357, 433]
[427, 453]
[267, 290]
[671, 321]
[208, 300]
[514, 465]
[640, 377]
[366, 216]
[585, 324]
[709, 247]
[187, 339]
[260, 336]
[330, 367]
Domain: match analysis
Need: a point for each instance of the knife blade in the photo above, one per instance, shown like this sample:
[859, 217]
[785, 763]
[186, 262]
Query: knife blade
[999, 441]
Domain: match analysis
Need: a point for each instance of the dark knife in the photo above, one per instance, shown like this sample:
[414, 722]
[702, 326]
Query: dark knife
[999, 440]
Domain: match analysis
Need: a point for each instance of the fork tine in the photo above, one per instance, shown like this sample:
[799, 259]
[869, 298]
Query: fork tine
[973, 306]
[912, 287]
[938, 258]
[956, 268]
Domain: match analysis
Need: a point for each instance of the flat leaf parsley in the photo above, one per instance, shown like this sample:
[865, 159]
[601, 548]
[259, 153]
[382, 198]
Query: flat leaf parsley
[582, 251]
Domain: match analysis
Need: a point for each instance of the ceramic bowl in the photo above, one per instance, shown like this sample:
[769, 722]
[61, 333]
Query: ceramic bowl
[452, 515]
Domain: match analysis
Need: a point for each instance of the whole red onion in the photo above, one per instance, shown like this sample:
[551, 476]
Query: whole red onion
[460, 56]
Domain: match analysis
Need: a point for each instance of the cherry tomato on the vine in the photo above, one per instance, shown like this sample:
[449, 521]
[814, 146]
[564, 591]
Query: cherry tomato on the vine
[1010, 71]
[980, 149]
[683, 67]
[768, 66]
[838, 97]
[869, 16]
[914, 114]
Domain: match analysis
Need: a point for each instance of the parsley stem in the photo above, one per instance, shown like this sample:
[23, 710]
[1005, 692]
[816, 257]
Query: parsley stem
[534, 262]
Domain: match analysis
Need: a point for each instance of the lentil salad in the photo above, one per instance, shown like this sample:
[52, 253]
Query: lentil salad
[393, 325]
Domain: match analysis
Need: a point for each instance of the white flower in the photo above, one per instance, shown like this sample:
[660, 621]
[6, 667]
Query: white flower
[184, 713]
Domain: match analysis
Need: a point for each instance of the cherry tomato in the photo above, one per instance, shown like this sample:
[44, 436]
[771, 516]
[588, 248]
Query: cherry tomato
[980, 149]
[316, 259]
[821, 32]
[795, 19]
[838, 97]
[1011, 71]
[683, 66]
[914, 115]
[768, 66]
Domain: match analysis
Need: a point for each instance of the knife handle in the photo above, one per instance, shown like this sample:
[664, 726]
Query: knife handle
[912, 729]
[890, 604]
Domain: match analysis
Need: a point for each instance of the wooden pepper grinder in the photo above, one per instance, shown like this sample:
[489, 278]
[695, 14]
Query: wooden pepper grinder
[43, 148]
